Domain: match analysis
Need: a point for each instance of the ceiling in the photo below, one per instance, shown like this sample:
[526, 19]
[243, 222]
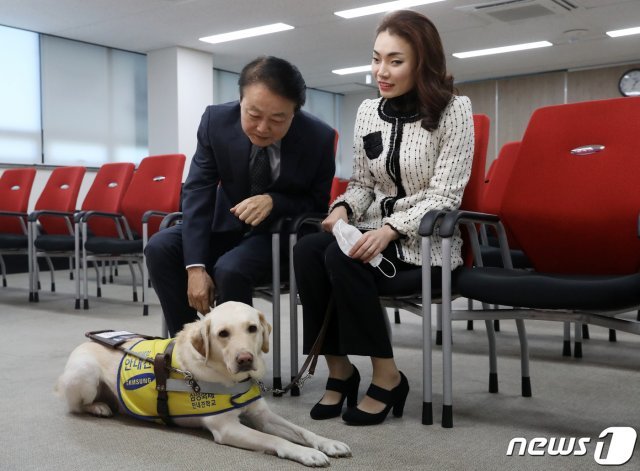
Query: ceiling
[322, 41]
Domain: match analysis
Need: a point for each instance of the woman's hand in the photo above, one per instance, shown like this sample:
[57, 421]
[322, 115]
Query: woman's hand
[339, 212]
[372, 243]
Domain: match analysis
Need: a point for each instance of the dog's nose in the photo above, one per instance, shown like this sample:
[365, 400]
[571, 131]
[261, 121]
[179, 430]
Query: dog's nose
[244, 361]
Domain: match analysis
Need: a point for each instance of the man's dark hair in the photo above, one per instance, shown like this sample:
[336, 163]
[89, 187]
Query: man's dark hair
[279, 76]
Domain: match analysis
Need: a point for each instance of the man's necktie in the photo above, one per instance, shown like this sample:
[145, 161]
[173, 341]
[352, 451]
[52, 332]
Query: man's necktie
[260, 172]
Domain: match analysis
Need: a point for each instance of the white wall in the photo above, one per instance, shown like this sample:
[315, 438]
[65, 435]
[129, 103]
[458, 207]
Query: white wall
[179, 89]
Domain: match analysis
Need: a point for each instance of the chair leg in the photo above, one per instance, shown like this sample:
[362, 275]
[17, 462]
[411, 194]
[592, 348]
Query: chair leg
[275, 278]
[427, 348]
[77, 262]
[439, 324]
[396, 315]
[496, 325]
[524, 358]
[577, 348]
[447, 354]
[85, 264]
[145, 282]
[30, 267]
[470, 308]
[3, 268]
[164, 330]
[612, 336]
[493, 358]
[585, 331]
[293, 315]
[134, 282]
[98, 283]
[103, 268]
[51, 273]
[566, 344]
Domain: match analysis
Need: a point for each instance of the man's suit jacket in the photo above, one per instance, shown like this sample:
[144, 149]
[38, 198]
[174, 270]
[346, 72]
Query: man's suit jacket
[219, 175]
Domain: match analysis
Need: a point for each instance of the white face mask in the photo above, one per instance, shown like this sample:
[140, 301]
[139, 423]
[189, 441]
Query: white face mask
[347, 235]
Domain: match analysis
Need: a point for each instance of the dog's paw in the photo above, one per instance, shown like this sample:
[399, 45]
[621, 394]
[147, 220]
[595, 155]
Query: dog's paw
[307, 456]
[99, 409]
[334, 448]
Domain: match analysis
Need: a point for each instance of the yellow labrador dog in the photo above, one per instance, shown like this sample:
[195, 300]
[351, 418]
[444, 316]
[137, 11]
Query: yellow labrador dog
[221, 350]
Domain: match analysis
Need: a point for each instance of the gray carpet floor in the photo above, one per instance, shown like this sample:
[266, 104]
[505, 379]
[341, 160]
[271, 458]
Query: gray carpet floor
[571, 397]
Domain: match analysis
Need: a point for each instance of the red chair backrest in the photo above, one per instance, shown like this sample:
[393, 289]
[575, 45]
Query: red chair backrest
[15, 188]
[474, 190]
[577, 213]
[155, 185]
[60, 193]
[105, 194]
[472, 197]
[498, 177]
[338, 186]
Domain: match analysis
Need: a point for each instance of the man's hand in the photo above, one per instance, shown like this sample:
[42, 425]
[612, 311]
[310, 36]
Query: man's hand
[254, 209]
[372, 243]
[339, 212]
[200, 289]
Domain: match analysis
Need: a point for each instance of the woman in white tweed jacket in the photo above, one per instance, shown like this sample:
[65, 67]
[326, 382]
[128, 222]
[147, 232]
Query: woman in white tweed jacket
[413, 150]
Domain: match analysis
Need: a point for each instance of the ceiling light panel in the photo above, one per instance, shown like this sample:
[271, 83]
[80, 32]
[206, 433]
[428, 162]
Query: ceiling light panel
[382, 7]
[502, 50]
[246, 33]
[623, 32]
[353, 70]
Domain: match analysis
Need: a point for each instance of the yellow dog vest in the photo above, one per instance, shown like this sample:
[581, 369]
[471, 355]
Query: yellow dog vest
[137, 389]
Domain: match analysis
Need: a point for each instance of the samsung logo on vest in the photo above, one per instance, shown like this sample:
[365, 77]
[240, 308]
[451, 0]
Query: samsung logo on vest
[139, 381]
[621, 441]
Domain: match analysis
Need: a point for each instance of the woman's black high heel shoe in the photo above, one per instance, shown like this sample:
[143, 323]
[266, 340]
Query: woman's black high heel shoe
[349, 389]
[393, 399]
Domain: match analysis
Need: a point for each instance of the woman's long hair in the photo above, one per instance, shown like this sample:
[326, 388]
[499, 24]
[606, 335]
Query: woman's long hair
[434, 87]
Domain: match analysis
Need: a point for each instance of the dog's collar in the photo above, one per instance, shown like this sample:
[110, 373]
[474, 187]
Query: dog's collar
[209, 387]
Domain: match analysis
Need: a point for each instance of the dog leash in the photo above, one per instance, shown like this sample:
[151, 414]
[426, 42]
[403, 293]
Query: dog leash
[311, 360]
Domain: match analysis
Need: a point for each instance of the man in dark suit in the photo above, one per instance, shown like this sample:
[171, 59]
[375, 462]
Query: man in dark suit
[257, 160]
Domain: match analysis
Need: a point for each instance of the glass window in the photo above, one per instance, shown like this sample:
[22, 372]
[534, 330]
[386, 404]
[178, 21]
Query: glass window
[19, 97]
[225, 86]
[326, 106]
[94, 103]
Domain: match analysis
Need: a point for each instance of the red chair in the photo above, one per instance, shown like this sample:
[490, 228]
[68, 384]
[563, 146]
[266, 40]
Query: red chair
[154, 191]
[15, 189]
[474, 191]
[572, 204]
[498, 177]
[338, 186]
[53, 215]
[105, 194]
[492, 203]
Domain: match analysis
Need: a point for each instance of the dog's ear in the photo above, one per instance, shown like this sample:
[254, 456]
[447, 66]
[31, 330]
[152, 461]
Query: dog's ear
[200, 339]
[266, 330]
